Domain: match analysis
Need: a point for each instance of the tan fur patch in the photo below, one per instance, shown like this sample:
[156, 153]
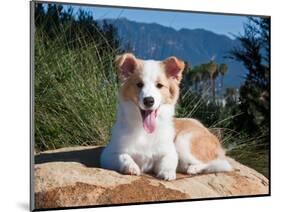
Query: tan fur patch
[174, 91]
[170, 89]
[129, 89]
[204, 145]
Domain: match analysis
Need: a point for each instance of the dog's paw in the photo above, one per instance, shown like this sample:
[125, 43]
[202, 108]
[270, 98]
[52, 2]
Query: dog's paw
[131, 169]
[167, 175]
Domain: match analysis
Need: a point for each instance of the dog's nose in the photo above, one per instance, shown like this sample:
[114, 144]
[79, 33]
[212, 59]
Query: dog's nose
[148, 101]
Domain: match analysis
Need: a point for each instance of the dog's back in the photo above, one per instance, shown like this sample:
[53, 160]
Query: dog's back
[198, 149]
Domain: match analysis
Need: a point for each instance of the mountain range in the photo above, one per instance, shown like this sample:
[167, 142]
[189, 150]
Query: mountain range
[196, 46]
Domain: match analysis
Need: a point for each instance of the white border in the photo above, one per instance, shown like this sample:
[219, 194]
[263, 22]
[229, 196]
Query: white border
[14, 105]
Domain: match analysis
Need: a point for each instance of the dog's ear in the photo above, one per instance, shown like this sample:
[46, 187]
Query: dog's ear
[173, 68]
[126, 65]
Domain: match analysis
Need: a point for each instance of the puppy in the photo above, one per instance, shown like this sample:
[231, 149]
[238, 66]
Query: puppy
[146, 137]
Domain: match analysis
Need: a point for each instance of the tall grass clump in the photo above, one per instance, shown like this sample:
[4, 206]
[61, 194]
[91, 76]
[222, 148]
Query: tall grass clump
[252, 151]
[75, 92]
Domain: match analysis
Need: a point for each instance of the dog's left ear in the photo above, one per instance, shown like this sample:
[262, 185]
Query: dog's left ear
[174, 68]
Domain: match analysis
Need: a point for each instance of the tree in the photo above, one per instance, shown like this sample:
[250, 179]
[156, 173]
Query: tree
[195, 77]
[203, 77]
[56, 20]
[254, 93]
[212, 70]
[230, 96]
[222, 70]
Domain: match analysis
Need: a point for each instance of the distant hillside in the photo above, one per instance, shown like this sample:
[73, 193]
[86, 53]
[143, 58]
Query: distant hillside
[195, 46]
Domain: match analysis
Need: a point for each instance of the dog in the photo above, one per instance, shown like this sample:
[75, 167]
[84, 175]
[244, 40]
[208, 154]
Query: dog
[146, 137]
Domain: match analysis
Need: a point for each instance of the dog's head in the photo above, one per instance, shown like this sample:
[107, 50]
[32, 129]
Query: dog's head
[149, 84]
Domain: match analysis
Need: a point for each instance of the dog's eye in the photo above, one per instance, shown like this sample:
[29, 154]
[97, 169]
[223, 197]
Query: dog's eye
[159, 85]
[140, 85]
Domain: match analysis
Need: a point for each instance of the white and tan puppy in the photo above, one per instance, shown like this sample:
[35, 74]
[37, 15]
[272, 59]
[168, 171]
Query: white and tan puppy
[146, 137]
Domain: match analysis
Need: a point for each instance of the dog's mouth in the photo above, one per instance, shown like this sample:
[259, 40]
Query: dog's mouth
[149, 119]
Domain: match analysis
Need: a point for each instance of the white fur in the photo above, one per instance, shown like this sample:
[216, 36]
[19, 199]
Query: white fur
[219, 165]
[151, 71]
[189, 164]
[132, 150]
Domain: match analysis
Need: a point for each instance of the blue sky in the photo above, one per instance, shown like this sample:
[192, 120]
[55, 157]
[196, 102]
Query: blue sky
[220, 24]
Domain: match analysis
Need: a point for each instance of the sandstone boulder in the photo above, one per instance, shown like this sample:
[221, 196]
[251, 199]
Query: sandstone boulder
[71, 177]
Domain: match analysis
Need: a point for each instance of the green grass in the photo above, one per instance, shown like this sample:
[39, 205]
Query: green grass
[250, 151]
[76, 96]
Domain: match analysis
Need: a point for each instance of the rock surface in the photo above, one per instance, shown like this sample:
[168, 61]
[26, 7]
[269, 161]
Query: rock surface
[71, 177]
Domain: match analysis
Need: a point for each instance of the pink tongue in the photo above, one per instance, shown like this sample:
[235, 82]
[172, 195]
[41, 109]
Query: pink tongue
[149, 122]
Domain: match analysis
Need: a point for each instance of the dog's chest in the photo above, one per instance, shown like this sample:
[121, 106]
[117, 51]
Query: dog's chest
[147, 149]
[144, 153]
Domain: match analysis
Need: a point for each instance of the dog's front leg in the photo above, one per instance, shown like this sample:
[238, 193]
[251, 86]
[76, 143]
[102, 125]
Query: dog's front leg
[123, 163]
[128, 165]
[165, 167]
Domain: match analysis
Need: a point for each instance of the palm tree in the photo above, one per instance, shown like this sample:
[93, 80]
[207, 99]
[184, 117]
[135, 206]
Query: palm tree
[211, 67]
[230, 95]
[194, 75]
[222, 70]
[205, 79]
[195, 79]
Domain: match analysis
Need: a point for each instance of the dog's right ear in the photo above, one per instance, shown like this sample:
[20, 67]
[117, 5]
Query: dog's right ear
[126, 65]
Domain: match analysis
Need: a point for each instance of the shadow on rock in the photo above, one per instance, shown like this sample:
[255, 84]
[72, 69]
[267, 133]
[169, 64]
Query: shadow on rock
[88, 157]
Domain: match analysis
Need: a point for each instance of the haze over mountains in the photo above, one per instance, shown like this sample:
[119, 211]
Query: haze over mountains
[196, 46]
